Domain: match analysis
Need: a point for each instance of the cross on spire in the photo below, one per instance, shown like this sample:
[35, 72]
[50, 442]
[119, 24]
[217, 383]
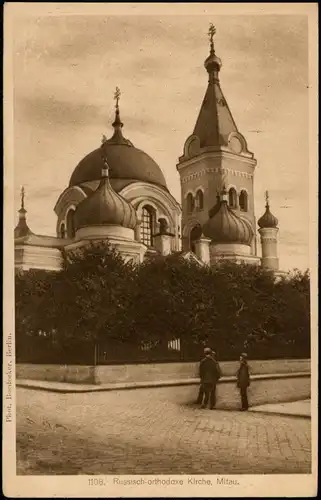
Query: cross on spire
[211, 33]
[117, 95]
[267, 198]
[22, 197]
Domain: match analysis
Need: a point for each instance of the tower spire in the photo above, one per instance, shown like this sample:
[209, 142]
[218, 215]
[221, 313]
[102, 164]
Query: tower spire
[215, 121]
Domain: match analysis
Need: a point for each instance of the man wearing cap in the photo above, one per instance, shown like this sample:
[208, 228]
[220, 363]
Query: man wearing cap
[209, 374]
[243, 381]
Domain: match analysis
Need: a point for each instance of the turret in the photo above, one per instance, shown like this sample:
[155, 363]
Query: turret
[163, 239]
[269, 232]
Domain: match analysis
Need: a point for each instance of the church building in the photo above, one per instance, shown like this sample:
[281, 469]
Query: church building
[119, 193]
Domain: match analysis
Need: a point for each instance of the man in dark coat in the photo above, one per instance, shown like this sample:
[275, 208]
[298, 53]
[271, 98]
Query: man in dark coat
[243, 381]
[210, 373]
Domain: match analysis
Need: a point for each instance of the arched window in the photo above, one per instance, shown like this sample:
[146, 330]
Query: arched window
[195, 235]
[70, 224]
[243, 200]
[62, 231]
[146, 227]
[199, 200]
[190, 202]
[232, 198]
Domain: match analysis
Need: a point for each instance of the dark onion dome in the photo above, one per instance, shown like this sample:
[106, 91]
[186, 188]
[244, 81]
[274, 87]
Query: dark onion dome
[22, 228]
[226, 227]
[124, 160]
[267, 220]
[105, 207]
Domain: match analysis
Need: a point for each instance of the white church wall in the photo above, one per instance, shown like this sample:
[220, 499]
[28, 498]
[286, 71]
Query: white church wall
[105, 232]
[34, 257]
[69, 199]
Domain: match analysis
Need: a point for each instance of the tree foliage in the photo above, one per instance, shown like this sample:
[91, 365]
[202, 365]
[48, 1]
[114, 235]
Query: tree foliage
[98, 298]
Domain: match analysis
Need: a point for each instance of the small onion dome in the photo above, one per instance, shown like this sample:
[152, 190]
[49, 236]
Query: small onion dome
[213, 63]
[105, 207]
[226, 227]
[267, 220]
[22, 228]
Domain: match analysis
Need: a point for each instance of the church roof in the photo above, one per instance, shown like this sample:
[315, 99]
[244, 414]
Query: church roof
[125, 161]
[40, 240]
[215, 121]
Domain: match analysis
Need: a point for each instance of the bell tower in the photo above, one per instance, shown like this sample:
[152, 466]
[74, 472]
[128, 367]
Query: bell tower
[215, 155]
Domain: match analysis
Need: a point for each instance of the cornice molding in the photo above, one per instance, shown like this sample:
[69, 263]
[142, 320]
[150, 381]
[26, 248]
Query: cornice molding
[216, 170]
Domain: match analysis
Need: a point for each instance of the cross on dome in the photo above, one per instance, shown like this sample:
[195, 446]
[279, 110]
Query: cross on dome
[22, 197]
[117, 95]
[211, 33]
[267, 198]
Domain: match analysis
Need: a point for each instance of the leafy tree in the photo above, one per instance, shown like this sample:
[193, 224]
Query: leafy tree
[30, 288]
[170, 295]
[91, 294]
[98, 298]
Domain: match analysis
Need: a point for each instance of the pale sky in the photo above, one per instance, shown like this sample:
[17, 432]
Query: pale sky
[66, 69]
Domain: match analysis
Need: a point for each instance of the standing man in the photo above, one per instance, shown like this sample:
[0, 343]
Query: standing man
[243, 381]
[210, 373]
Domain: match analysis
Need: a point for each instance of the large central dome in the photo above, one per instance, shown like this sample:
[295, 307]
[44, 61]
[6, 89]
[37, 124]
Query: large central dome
[124, 160]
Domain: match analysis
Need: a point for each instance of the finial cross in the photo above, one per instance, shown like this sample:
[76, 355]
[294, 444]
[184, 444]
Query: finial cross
[22, 197]
[267, 197]
[211, 32]
[117, 95]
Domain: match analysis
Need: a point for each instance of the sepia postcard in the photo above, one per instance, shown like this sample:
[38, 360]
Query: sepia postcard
[160, 250]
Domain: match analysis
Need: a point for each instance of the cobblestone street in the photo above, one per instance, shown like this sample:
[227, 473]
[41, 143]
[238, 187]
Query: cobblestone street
[153, 431]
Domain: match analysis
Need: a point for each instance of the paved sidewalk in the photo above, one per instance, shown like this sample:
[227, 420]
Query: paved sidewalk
[67, 387]
[294, 409]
